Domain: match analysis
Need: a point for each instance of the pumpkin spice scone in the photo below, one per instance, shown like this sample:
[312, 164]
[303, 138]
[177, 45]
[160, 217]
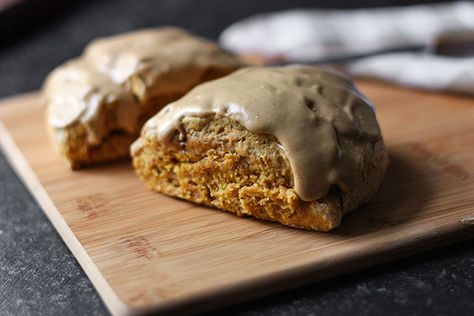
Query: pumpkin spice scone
[98, 102]
[297, 145]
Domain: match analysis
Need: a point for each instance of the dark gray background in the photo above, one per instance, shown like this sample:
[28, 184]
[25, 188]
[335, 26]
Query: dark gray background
[38, 275]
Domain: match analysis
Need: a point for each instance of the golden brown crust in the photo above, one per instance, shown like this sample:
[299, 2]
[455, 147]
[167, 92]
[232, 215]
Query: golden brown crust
[221, 164]
[79, 155]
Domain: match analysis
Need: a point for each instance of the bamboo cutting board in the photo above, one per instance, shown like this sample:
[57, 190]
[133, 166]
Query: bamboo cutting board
[147, 252]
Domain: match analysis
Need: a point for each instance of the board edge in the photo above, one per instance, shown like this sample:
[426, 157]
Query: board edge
[23, 170]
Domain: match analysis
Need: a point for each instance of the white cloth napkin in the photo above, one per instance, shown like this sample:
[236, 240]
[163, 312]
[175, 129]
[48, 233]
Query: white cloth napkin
[419, 70]
[312, 35]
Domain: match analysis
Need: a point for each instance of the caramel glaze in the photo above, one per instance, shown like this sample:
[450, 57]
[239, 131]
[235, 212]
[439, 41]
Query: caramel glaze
[118, 74]
[323, 124]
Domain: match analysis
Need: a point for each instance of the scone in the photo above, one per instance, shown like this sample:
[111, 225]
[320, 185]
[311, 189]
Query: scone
[98, 102]
[297, 145]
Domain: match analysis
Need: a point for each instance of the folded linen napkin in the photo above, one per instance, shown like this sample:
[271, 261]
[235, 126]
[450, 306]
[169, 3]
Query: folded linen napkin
[419, 70]
[318, 35]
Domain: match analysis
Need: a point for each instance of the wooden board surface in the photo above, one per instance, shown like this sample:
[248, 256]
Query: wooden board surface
[144, 251]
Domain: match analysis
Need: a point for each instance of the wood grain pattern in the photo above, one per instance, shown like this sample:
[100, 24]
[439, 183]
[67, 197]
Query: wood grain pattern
[144, 251]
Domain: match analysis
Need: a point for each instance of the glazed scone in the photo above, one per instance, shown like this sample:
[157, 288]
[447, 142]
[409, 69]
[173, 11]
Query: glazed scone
[98, 102]
[297, 145]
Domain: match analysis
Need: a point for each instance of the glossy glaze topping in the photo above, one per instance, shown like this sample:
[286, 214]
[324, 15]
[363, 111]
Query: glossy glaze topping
[121, 72]
[322, 122]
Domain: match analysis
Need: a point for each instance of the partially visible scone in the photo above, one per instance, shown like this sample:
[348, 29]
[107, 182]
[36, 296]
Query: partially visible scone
[98, 102]
[297, 145]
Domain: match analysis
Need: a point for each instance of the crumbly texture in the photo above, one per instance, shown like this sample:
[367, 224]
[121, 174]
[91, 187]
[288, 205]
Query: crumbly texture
[219, 163]
[79, 152]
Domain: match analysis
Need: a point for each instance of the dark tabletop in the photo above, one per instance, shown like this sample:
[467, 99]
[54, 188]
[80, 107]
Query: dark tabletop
[38, 275]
